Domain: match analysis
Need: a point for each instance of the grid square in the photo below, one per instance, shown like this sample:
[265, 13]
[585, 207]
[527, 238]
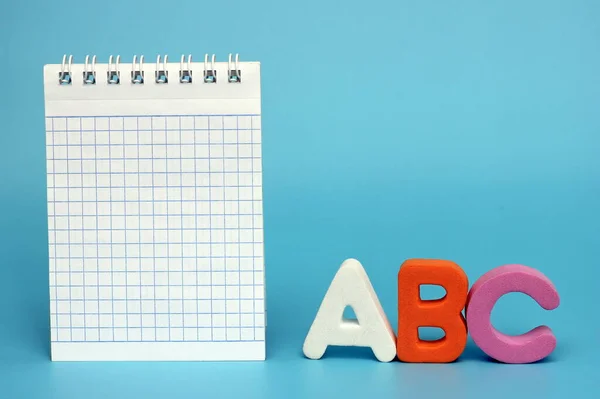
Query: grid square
[134, 334]
[219, 334]
[73, 124]
[205, 334]
[130, 124]
[158, 123]
[163, 334]
[186, 122]
[190, 320]
[120, 334]
[204, 320]
[63, 335]
[259, 319]
[173, 123]
[106, 334]
[233, 334]
[246, 320]
[201, 122]
[230, 122]
[259, 334]
[144, 123]
[247, 334]
[215, 123]
[244, 122]
[92, 335]
[101, 123]
[149, 334]
[190, 334]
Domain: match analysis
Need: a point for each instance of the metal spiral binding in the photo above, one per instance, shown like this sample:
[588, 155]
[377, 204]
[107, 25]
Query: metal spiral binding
[161, 72]
[89, 76]
[185, 75]
[64, 76]
[210, 74]
[137, 75]
[113, 76]
[161, 75]
[234, 74]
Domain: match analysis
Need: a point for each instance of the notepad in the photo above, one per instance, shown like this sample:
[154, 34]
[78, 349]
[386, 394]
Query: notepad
[155, 211]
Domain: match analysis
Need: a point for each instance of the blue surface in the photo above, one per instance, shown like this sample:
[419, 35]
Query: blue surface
[463, 130]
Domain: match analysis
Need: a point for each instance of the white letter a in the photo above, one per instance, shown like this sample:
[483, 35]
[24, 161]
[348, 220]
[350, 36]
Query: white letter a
[351, 287]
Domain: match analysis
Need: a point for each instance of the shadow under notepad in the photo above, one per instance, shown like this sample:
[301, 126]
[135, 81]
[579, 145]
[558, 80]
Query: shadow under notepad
[41, 334]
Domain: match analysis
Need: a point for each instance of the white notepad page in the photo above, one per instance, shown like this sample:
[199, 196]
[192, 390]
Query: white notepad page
[155, 215]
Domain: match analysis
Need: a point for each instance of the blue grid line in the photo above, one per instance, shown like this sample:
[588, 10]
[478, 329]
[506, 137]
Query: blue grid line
[140, 231]
[224, 224]
[153, 285]
[159, 341]
[97, 248]
[168, 246]
[149, 285]
[159, 201]
[124, 327]
[149, 116]
[151, 158]
[164, 243]
[142, 130]
[237, 125]
[106, 174]
[253, 259]
[69, 250]
[161, 300]
[153, 233]
[54, 217]
[146, 159]
[196, 226]
[125, 226]
[211, 233]
[184, 229]
[124, 186]
[163, 214]
[80, 141]
[181, 188]
[162, 200]
[150, 257]
[233, 173]
[111, 239]
[136, 313]
[160, 327]
[167, 243]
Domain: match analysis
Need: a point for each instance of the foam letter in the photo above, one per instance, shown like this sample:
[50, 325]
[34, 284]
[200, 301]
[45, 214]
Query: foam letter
[351, 287]
[526, 348]
[445, 313]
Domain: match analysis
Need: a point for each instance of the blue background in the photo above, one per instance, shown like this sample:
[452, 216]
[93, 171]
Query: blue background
[463, 130]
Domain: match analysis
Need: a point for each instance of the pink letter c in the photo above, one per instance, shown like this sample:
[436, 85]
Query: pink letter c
[526, 348]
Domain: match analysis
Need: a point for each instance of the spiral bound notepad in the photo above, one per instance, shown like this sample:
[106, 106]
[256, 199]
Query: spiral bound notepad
[155, 225]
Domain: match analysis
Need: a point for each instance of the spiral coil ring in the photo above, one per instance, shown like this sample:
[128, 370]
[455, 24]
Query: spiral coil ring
[161, 75]
[185, 74]
[64, 76]
[137, 75]
[235, 75]
[161, 70]
[89, 76]
[210, 75]
[113, 75]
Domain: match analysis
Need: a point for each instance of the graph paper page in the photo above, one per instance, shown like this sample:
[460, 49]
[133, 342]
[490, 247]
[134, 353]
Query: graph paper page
[155, 219]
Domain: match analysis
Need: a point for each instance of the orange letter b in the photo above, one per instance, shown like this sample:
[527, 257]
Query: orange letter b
[445, 313]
